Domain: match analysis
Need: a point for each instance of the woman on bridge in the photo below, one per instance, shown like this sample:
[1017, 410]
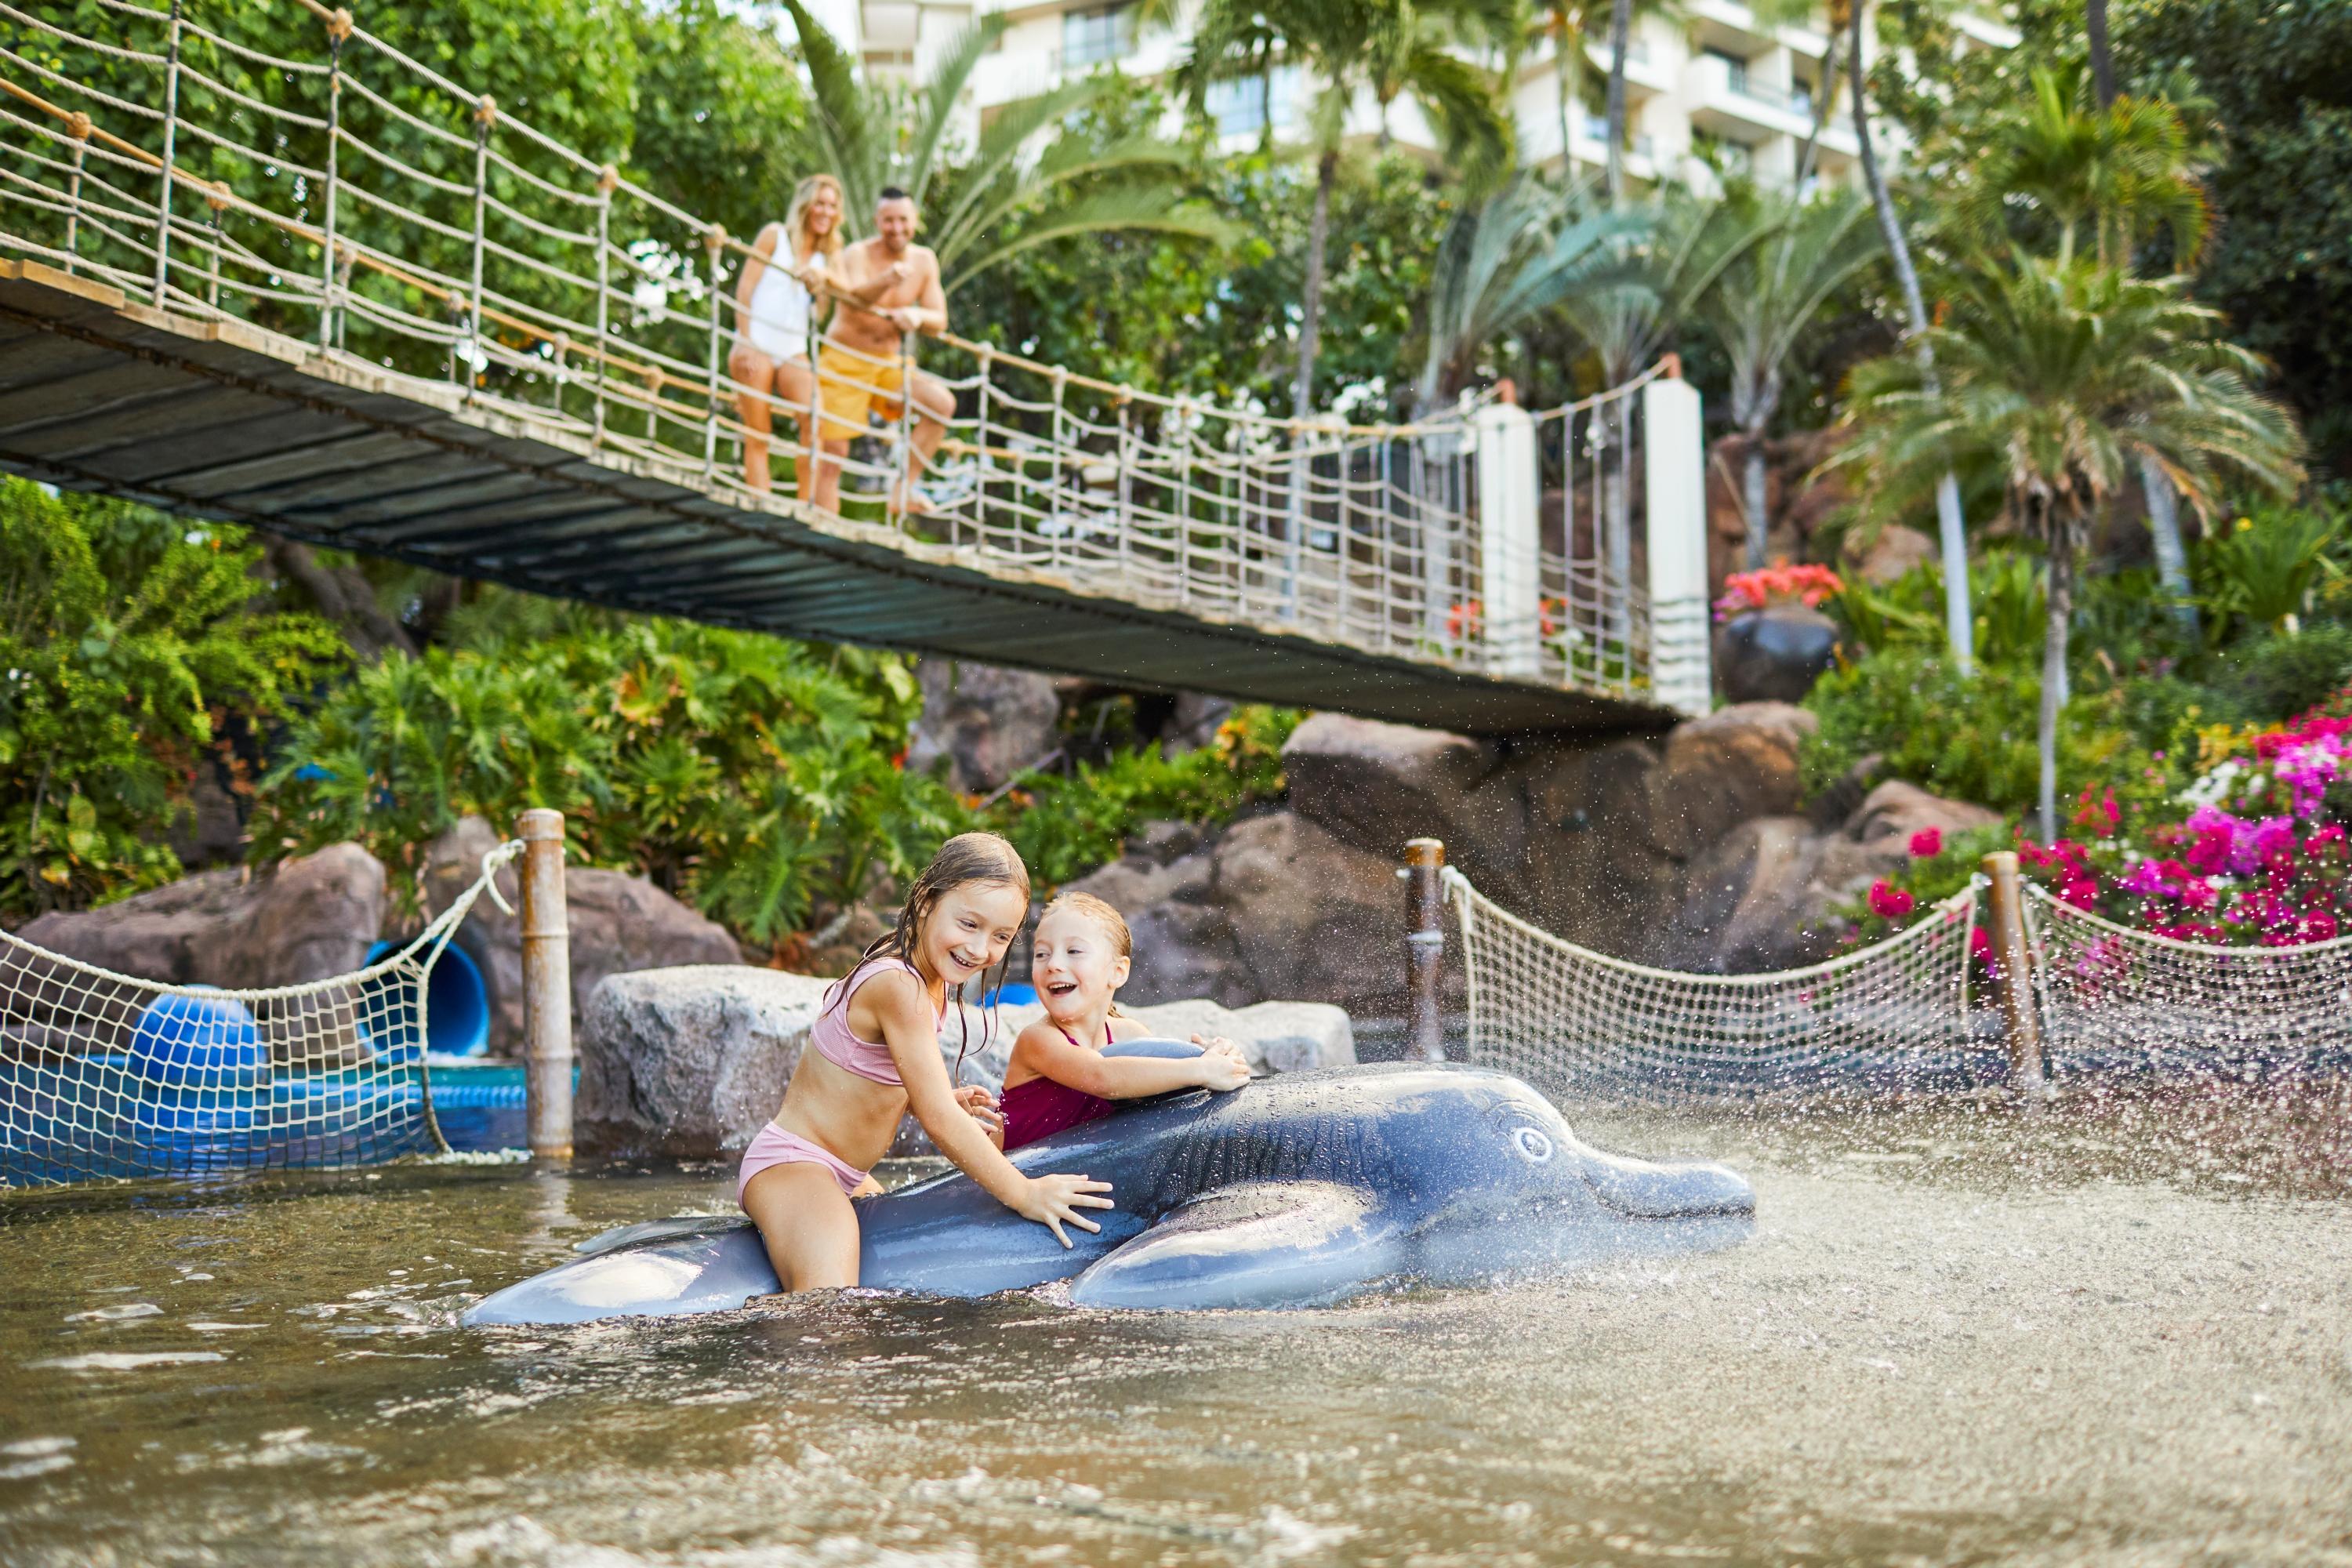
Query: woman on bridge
[775, 304]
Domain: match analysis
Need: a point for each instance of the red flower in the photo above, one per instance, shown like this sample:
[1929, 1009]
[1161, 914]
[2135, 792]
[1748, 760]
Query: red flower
[1927, 843]
[1889, 901]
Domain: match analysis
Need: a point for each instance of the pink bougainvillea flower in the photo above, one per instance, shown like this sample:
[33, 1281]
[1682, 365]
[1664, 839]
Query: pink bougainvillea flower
[1927, 843]
[1980, 943]
[1888, 901]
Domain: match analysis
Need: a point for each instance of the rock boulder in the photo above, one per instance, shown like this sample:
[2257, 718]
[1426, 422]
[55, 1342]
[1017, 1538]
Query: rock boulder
[687, 1063]
[619, 923]
[987, 722]
[311, 917]
[1275, 906]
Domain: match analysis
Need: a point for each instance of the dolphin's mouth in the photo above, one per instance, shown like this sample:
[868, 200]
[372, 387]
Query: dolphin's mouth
[1646, 1191]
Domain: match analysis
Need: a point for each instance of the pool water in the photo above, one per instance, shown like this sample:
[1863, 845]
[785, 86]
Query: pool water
[2115, 1332]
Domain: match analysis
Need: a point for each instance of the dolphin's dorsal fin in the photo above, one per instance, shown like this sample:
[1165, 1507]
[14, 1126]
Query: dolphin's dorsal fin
[1267, 1244]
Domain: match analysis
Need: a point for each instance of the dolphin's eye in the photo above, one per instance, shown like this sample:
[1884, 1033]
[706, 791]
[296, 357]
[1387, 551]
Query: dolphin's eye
[1534, 1147]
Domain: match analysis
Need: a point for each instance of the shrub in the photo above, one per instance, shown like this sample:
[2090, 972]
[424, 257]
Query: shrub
[748, 774]
[1066, 824]
[124, 638]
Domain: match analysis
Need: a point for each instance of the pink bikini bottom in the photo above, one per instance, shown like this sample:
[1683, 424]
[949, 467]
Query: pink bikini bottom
[774, 1146]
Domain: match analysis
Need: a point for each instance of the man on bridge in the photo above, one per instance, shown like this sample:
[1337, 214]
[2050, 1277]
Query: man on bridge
[889, 288]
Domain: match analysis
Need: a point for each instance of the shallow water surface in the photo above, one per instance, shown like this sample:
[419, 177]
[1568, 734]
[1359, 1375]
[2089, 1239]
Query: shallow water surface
[2113, 1332]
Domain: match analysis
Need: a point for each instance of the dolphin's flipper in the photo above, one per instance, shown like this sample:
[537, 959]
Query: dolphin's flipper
[1270, 1244]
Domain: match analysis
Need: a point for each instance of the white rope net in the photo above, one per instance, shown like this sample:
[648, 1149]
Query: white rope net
[108, 1075]
[2115, 1001]
[1582, 1025]
[558, 293]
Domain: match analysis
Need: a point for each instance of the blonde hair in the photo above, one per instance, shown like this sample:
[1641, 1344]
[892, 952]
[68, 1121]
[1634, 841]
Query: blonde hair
[796, 215]
[1108, 919]
[1113, 923]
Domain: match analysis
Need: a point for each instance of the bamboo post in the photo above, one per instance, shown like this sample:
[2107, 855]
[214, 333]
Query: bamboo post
[339, 27]
[607, 182]
[2006, 905]
[714, 242]
[546, 985]
[171, 140]
[486, 114]
[78, 127]
[1424, 943]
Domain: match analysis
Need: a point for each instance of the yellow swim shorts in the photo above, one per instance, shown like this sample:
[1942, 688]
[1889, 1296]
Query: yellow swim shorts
[851, 388]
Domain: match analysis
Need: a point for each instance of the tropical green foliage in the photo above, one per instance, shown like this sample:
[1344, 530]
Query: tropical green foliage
[1380, 49]
[1029, 180]
[125, 637]
[2064, 376]
[1764, 300]
[745, 774]
[1508, 260]
[1066, 824]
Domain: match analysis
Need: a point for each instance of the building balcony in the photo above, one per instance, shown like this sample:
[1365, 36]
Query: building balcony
[1727, 102]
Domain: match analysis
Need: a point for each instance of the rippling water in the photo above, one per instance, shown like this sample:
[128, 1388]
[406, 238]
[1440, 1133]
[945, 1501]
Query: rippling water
[2115, 1332]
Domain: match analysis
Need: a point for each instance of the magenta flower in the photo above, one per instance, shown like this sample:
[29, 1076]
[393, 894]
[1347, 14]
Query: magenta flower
[1927, 843]
[1889, 901]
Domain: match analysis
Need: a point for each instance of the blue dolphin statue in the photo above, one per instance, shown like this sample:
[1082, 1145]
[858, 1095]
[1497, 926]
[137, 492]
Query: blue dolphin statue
[1302, 1190]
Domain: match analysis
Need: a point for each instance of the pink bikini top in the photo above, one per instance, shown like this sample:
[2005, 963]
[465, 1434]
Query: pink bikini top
[831, 1033]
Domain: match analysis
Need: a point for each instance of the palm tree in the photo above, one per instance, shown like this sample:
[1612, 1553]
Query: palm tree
[1951, 522]
[1024, 164]
[1383, 49]
[1683, 244]
[2125, 170]
[2061, 377]
[1509, 259]
[1765, 300]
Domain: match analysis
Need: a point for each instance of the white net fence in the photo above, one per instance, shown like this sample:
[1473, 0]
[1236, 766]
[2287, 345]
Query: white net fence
[107, 1074]
[1579, 1024]
[2115, 1001]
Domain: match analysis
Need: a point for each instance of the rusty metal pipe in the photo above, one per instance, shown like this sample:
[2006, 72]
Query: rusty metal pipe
[1424, 943]
[546, 985]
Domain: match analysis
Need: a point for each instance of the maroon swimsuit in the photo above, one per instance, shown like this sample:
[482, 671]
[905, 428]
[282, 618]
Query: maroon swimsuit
[1041, 1106]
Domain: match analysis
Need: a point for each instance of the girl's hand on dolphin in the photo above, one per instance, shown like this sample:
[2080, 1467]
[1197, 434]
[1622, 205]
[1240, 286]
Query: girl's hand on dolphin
[1053, 1200]
[1218, 1045]
[1222, 1070]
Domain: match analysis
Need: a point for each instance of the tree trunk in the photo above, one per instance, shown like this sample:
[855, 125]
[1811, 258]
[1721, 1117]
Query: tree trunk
[1759, 525]
[1621, 29]
[1310, 304]
[1959, 622]
[2054, 675]
[2171, 557]
[2103, 62]
[1563, 36]
[344, 595]
[1806, 153]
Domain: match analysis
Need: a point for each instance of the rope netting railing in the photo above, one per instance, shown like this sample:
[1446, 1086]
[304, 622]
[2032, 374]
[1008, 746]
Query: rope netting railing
[331, 188]
[1580, 1024]
[109, 1075]
[2115, 1000]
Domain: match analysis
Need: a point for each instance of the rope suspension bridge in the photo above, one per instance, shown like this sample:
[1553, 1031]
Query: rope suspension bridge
[223, 292]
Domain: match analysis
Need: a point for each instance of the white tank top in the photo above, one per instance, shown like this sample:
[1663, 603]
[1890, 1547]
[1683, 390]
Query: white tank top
[780, 310]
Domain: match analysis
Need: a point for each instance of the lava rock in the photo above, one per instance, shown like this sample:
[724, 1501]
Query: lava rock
[1774, 655]
[312, 918]
[987, 722]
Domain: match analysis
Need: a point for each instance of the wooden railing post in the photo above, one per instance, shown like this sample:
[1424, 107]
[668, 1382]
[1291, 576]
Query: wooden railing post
[546, 985]
[1424, 943]
[2006, 908]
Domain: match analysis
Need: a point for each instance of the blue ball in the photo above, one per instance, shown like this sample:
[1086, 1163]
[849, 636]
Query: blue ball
[199, 1042]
